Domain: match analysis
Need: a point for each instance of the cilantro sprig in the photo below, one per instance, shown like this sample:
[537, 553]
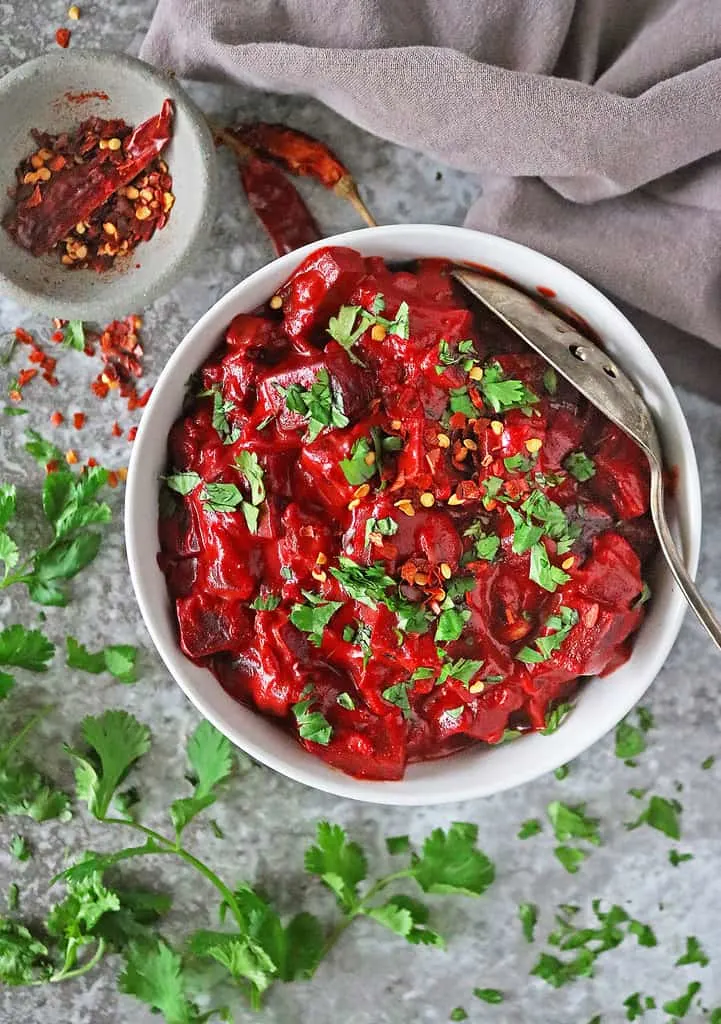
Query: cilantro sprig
[502, 393]
[558, 625]
[352, 321]
[321, 405]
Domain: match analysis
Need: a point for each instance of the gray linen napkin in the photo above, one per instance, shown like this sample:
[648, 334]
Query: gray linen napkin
[595, 123]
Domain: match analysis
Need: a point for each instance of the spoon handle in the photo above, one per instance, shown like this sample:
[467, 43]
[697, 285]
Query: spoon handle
[668, 546]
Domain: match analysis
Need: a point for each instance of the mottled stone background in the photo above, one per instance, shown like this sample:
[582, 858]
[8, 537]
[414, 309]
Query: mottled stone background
[372, 977]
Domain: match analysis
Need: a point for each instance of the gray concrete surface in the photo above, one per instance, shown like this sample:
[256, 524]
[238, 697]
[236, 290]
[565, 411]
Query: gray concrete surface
[371, 977]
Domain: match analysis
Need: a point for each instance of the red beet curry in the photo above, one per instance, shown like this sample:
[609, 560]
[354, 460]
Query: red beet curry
[391, 527]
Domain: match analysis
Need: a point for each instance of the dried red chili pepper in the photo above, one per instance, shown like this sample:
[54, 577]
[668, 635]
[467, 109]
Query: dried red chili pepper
[62, 37]
[306, 156]
[75, 192]
[275, 200]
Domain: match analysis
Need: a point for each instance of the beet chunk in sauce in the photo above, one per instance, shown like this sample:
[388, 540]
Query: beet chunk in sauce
[392, 531]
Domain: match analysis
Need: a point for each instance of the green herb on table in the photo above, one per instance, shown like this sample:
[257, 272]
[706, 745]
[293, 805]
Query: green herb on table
[530, 827]
[634, 1007]
[458, 1014]
[573, 823]
[23, 789]
[74, 335]
[488, 995]
[117, 659]
[694, 953]
[661, 814]
[19, 848]
[708, 763]
[321, 405]
[562, 772]
[313, 617]
[680, 1007]
[675, 858]
[528, 916]
[13, 899]
[14, 410]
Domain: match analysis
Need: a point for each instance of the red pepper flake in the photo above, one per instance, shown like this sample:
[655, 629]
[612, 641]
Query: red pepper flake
[144, 398]
[91, 462]
[51, 380]
[36, 355]
[99, 387]
[56, 419]
[14, 395]
[112, 478]
[25, 376]
[79, 420]
[62, 37]
[57, 337]
[71, 456]
[457, 421]
[24, 336]
[116, 431]
[132, 434]
[52, 466]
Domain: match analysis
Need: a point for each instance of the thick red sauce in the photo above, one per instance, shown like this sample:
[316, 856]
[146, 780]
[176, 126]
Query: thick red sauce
[460, 584]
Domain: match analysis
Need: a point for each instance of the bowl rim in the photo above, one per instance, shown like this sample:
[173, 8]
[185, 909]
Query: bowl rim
[337, 783]
[95, 307]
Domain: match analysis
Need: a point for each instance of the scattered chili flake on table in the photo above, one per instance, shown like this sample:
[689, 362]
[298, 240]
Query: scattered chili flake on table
[91, 196]
[79, 420]
[56, 419]
[62, 37]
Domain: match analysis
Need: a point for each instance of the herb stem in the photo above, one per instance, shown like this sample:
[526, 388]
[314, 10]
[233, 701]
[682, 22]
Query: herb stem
[361, 908]
[64, 974]
[171, 846]
[7, 750]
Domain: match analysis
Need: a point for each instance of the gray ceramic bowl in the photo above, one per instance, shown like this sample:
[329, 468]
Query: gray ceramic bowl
[35, 95]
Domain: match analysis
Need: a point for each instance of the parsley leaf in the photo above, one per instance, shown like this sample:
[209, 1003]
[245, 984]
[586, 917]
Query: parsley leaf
[630, 741]
[313, 617]
[543, 572]
[19, 848]
[450, 862]
[117, 659]
[357, 469]
[116, 740]
[321, 404]
[528, 916]
[153, 973]
[338, 862]
[248, 464]
[265, 601]
[572, 823]
[183, 483]
[488, 995]
[502, 394]
[23, 958]
[580, 466]
[312, 725]
[680, 1007]
[344, 329]
[74, 335]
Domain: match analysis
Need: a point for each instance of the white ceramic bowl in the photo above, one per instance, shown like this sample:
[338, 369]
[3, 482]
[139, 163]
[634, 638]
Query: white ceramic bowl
[478, 771]
[35, 95]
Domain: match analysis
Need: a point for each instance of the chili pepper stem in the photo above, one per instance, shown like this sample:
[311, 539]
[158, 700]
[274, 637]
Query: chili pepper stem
[241, 151]
[346, 188]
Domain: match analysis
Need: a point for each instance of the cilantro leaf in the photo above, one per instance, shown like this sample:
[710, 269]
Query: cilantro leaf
[23, 958]
[407, 917]
[570, 857]
[248, 464]
[8, 499]
[26, 791]
[676, 858]
[369, 585]
[153, 973]
[543, 572]
[460, 401]
[398, 844]
[357, 469]
[74, 335]
[680, 1007]
[530, 827]
[19, 848]
[502, 394]
[312, 618]
[183, 483]
[338, 862]
[528, 916]
[117, 659]
[488, 995]
[62, 560]
[451, 622]
[450, 862]
[243, 958]
[694, 953]
[463, 669]
[25, 648]
[398, 695]
[572, 823]
[630, 741]
[321, 404]
[41, 450]
[265, 601]
[554, 720]
[661, 814]
[458, 1014]
[211, 759]
[579, 466]
[312, 725]
[559, 626]
[116, 740]
[221, 408]
[344, 329]
[7, 682]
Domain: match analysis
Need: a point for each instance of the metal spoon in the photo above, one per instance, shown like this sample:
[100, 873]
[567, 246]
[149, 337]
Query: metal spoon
[605, 385]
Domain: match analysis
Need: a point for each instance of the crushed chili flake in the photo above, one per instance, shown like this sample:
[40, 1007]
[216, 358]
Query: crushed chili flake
[71, 456]
[132, 433]
[24, 336]
[91, 462]
[123, 189]
[112, 478]
[116, 431]
[56, 419]
[62, 37]
[51, 467]
[25, 376]
[79, 420]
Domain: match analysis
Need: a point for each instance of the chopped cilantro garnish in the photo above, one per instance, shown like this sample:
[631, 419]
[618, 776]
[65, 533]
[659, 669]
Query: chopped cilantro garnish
[485, 545]
[517, 463]
[398, 695]
[221, 408]
[74, 335]
[559, 625]
[570, 857]
[183, 483]
[347, 327]
[464, 356]
[360, 636]
[357, 469]
[312, 618]
[321, 404]
[572, 823]
[265, 601]
[550, 381]
[464, 669]
[385, 527]
[694, 953]
[562, 771]
[461, 402]
[423, 673]
[19, 848]
[708, 762]
[458, 1014]
[346, 701]
[488, 995]
[525, 533]
[680, 1007]
[580, 466]
[312, 725]
[543, 572]
[450, 624]
[676, 858]
[502, 394]
[630, 741]
[248, 464]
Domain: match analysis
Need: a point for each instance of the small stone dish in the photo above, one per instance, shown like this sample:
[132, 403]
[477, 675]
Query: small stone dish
[55, 93]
